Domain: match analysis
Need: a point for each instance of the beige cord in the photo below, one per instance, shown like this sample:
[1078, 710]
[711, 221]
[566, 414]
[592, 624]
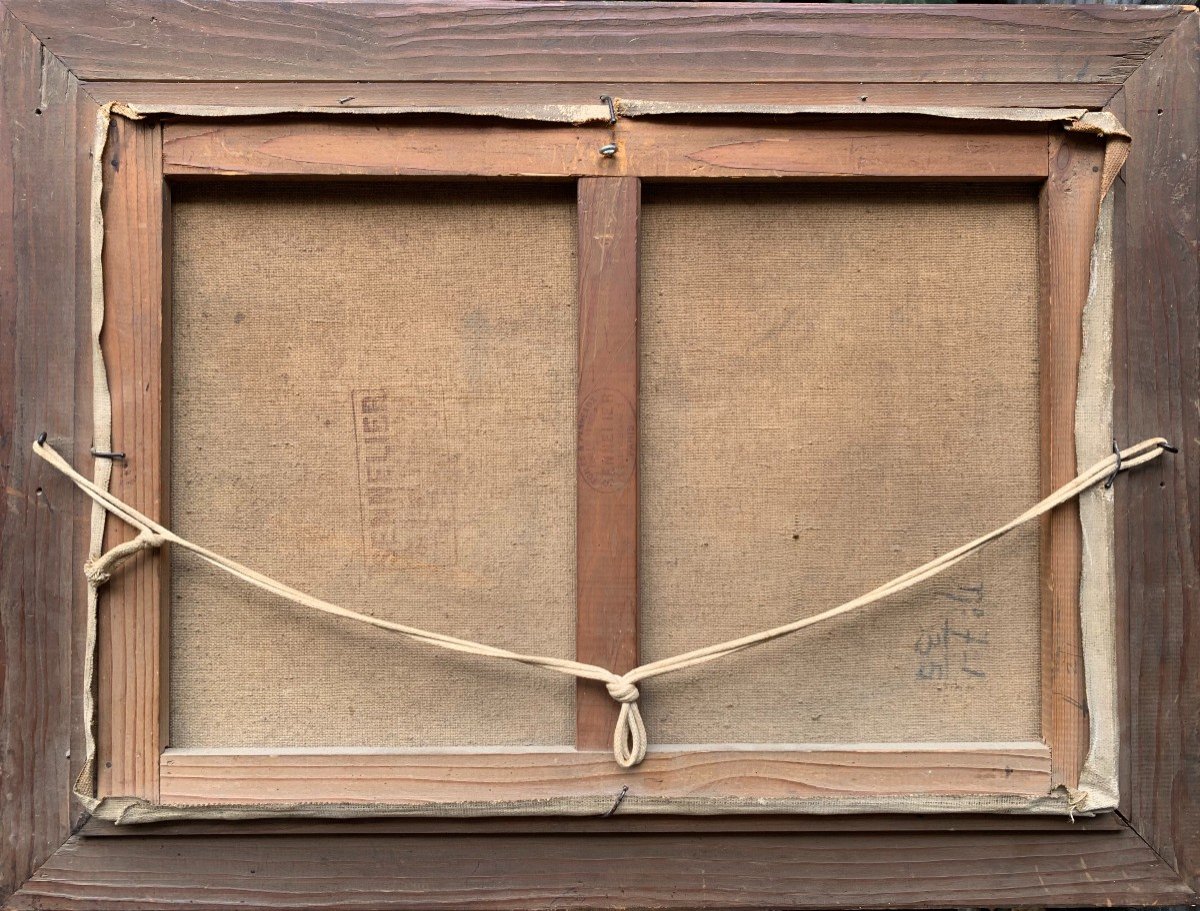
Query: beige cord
[629, 736]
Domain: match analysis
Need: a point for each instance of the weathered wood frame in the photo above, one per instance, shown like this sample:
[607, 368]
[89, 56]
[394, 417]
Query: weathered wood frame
[61, 61]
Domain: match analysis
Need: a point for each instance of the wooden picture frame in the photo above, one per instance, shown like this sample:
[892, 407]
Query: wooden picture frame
[60, 65]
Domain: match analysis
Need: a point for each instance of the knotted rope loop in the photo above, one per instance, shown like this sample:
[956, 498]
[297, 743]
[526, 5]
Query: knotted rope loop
[100, 569]
[623, 691]
[629, 736]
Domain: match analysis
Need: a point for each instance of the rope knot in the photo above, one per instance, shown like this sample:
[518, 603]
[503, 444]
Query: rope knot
[623, 691]
[96, 571]
[99, 570]
[629, 736]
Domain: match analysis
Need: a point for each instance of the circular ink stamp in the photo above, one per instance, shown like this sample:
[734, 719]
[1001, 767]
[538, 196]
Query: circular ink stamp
[607, 443]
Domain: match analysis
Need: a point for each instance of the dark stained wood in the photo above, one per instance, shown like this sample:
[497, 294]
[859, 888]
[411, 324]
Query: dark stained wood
[1070, 203]
[1157, 375]
[565, 42]
[131, 658]
[356, 95]
[606, 624]
[801, 147]
[627, 824]
[43, 200]
[912, 870]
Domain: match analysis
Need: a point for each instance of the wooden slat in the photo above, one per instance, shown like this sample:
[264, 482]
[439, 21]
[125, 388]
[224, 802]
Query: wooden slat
[669, 871]
[877, 823]
[565, 42]
[349, 96]
[1070, 205]
[44, 181]
[606, 622]
[197, 777]
[810, 147]
[1157, 379]
[131, 655]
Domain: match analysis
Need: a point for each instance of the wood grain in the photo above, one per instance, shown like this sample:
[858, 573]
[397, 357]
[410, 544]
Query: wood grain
[1024, 56]
[44, 178]
[874, 823]
[131, 652]
[1157, 367]
[672, 871]
[606, 520]
[1070, 203]
[202, 777]
[565, 42]
[676, 148]
[353, 96]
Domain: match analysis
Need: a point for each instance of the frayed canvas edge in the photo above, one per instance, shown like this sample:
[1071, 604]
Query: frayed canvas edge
[1099, 778]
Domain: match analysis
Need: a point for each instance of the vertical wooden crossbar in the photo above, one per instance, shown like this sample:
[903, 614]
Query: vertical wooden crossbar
[131, 664]
[606, 456]
[1069, 205]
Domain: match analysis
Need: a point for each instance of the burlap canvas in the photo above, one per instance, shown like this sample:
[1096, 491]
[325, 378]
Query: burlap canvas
[794, 454]
[837, 385]
[373, 400]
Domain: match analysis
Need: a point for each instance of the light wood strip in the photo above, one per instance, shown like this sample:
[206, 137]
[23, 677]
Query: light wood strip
[349, 96]
[192, 776]
[812, 148]
[606, 521]
[1070, 204]
[132, 627]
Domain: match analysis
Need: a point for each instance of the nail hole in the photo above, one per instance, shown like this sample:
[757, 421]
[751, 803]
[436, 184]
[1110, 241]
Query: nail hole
[39, 491]
[795, 537]
[38, 111]
[863, 98]
[1160, 110]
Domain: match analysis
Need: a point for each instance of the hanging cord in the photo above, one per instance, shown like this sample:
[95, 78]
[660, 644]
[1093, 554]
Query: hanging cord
[629, 736]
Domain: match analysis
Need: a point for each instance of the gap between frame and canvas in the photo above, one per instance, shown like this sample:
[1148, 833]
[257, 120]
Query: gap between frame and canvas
[1098, 783]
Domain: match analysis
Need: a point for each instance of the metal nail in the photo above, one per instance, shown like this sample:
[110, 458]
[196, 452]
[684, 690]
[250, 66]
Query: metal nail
[616, 803]
[612, 108]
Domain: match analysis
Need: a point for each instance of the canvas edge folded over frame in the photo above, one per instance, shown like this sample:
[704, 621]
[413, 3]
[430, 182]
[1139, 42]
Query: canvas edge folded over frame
[1098, 787]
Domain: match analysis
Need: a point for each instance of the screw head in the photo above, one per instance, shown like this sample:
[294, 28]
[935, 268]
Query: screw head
[608, 151]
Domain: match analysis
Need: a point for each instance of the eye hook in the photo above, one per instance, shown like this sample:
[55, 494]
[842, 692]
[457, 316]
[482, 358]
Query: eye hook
[610, 149]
